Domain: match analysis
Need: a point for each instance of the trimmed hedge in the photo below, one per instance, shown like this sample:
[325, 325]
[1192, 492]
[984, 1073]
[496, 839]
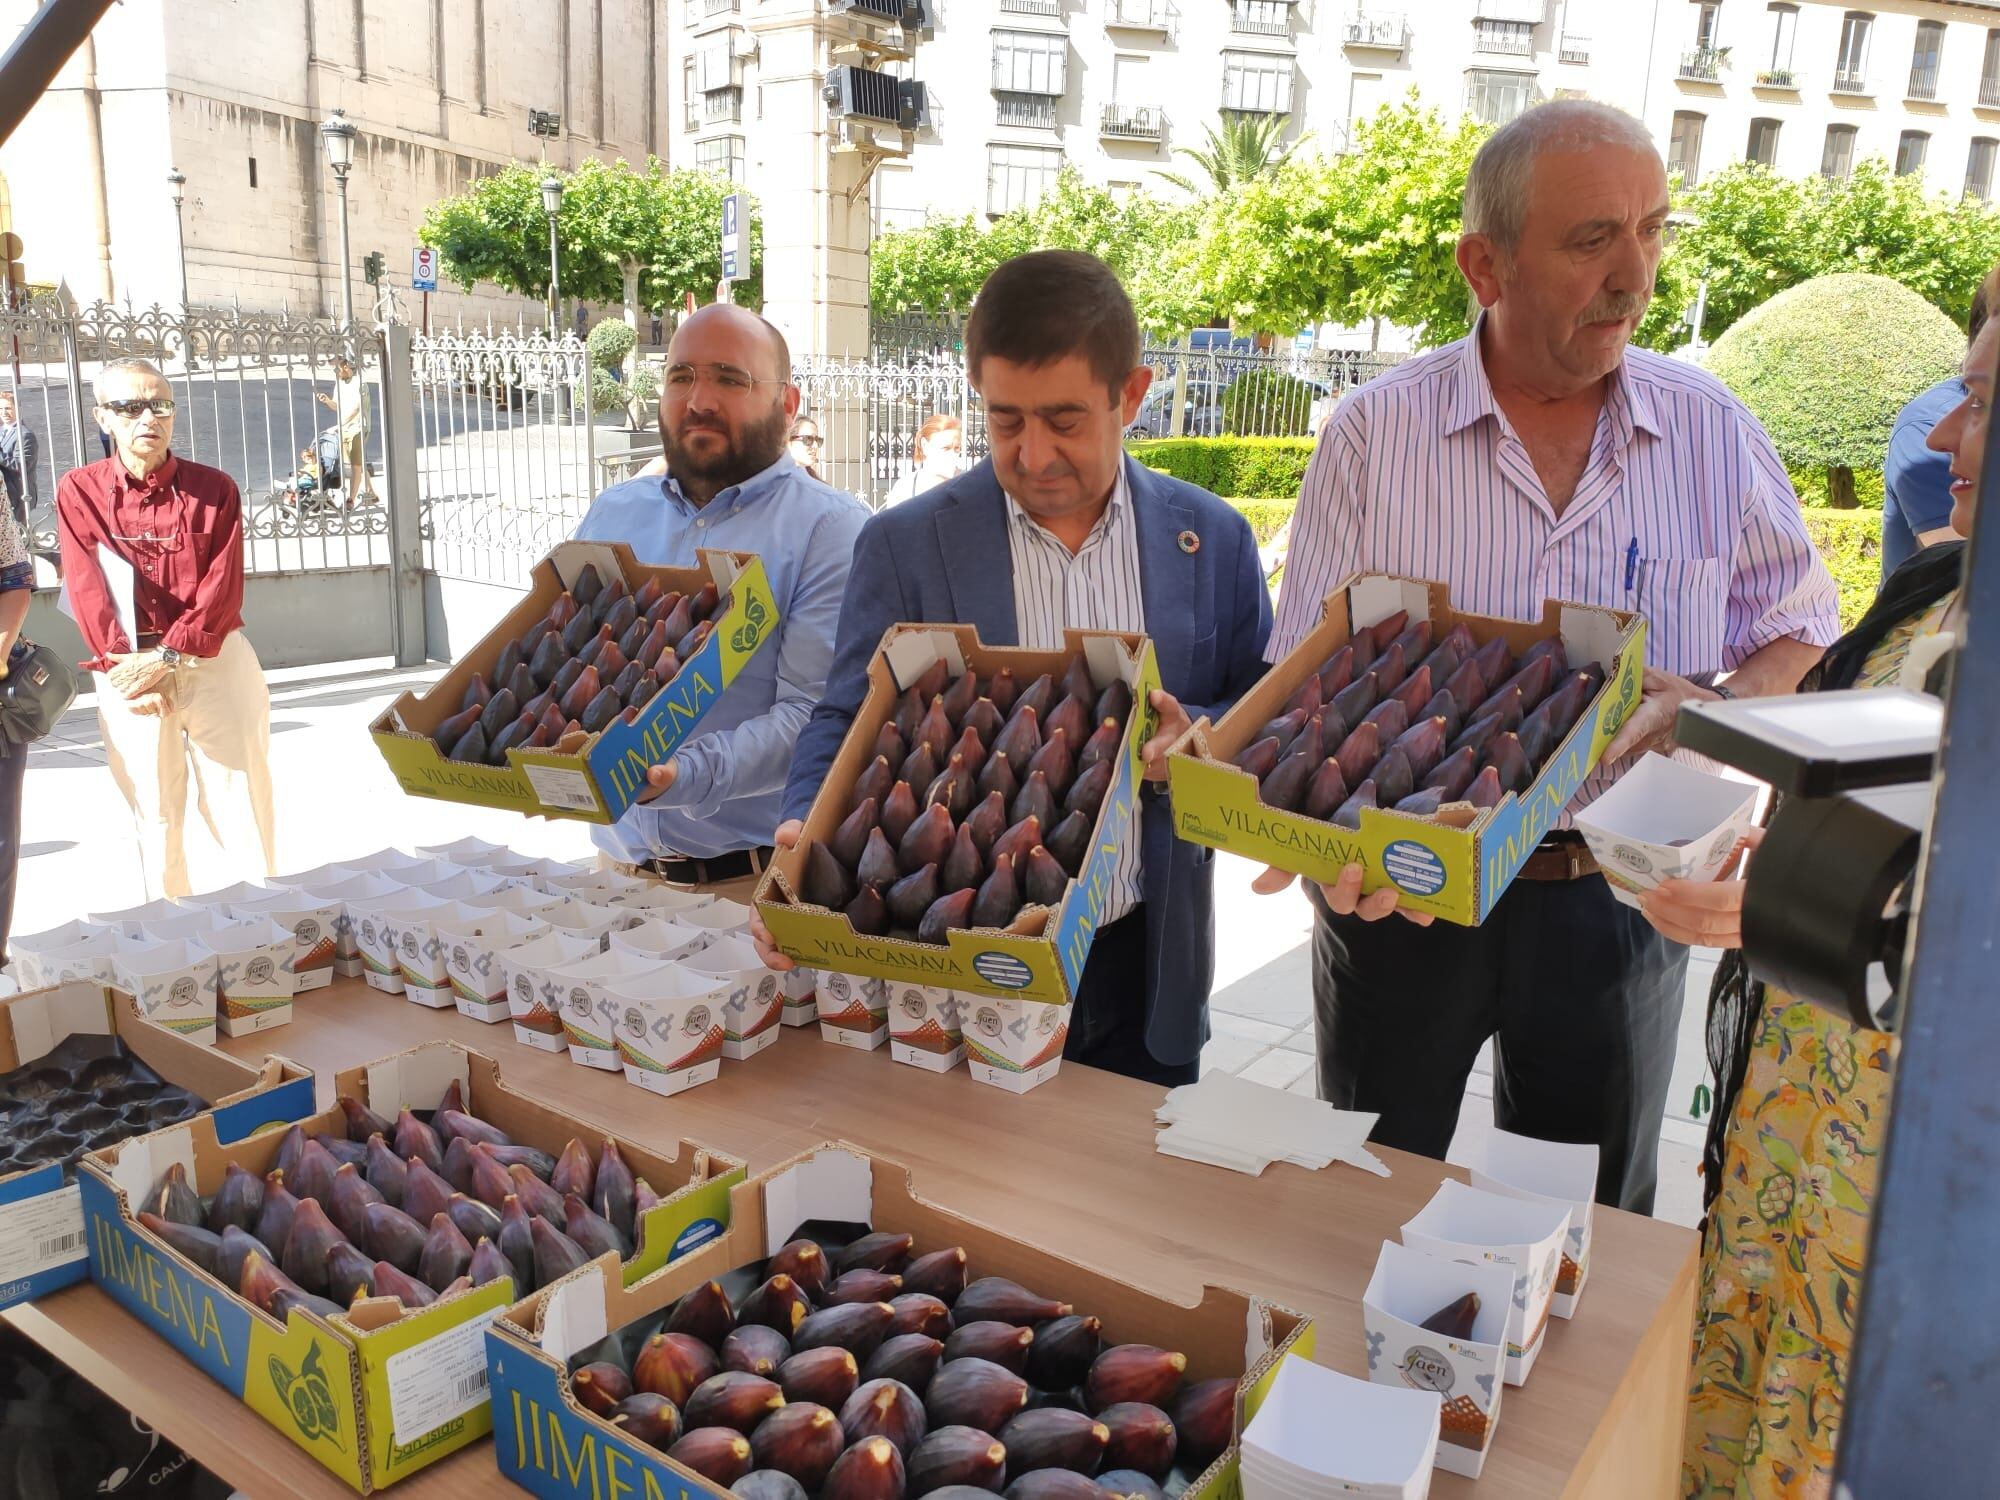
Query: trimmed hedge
[1849, 540]
[1252, 468]
[1851, 543]
[1271, 401]
[1810, 486]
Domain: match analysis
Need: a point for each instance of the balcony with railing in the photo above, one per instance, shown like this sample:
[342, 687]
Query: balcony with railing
[1160, 17]
[1382, 31]
[1847, 81]
[1260, 17]
[1049, 8]
[1504, 38]
[1575, 49]
[719, 106]
[694, 12]
[1702, 65]
[1132, 122]
[1779, 78]
[1923, 86]
[1989, 93]
[1025, 111]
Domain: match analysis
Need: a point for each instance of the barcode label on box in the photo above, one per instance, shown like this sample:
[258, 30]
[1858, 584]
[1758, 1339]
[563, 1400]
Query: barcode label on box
[556, 787]
[39, 1234]
[441, 1378]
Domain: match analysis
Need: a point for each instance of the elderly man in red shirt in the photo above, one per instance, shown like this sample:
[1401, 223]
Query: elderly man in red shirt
[152, 550]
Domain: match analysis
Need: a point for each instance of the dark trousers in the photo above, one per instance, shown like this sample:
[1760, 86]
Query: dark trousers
[1581, 997]
[1107, 1026]
[13, 767]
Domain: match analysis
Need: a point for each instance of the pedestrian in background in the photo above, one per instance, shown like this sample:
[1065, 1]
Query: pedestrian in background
[152, 548]
[1541, 458]
[806, 445]
[1916, 479]
[18, 449]
[347, 404]
[940, 455]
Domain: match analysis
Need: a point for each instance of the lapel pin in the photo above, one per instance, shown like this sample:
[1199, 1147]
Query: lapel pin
[1190, 543]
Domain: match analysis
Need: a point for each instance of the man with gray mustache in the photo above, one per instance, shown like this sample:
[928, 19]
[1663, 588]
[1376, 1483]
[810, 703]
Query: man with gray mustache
[1540, 458]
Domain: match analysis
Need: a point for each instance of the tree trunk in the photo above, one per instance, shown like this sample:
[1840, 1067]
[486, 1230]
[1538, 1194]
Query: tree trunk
[630, 270]
[1840, 488]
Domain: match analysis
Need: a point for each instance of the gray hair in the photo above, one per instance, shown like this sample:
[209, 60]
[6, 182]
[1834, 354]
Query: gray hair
[126, 367]
[1503, 173]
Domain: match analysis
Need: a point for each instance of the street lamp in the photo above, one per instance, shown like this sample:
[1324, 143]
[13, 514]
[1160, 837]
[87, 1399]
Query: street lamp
[552, 196]
[177, 180]
[338, 132]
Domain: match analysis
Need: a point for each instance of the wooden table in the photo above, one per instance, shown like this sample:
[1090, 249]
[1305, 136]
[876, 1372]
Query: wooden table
[1070, 1167]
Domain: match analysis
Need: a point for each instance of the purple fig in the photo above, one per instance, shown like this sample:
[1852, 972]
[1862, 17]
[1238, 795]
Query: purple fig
[1002, 689]
[1325, 792]
[960, 696]
[313, 1179]
[999, 898]
[1390, 668]
[1018, 839]
[944, 915]
[997, 776]
[884, 1409]
[1477, 735]
[1359, 751]
[890, 744]
[1423, 803]
[868, 912]
[803, 1441]
[964, 867]
[1054, 761]
[349, 1274]
[1077, 682]
[1039, 695]
[1261, 757]
[1285, 787]
[933, 681]
[1069, 841]
[414, 1138]
[1454, 773]
[393, 1281]
[1044, 882]
[987, 822]
[1506, 756]
[548, 660]
[1565, 705]
[1509, 704]
[720, 1455]
[899, 812]
[490, 1264]
[920, 768]
[826, 882]
[1006, 1344]
[362, 1121]
[1390, 718]
[1306, 700]
[1393, 777]
[595, 1233]
[1114, 703]
[909, 898]
[1102, 747]
[985, 720]
[1495, 660]
[752, 1349]
[926, 842]
[313, 1234]
[347, 1202]
[239, 1201]
[873, 784]
[909, 716]
[1551, 647]
[200, 1247]
[1018, 742]
[1485, 790]
[1063, 1351]
[491, 1182]
[1423, 743]
[1415, 691]
[1086, 795]
[952, 788]
[424, 1192]
[537, 1197]
[274, 1219]
[1534, 679]
[956, 1458]
[574, 1171]
[674, 1365]
[600, 1386]
[556, 1254]
[1036, 799]
[445, 1256]
[1353, 701]
[1441, 705]
[1072, 717]
[616, 1188]
[392, 1235]
[850, 839]
[934, 732]
[779, 1303]
[1349, 813]
[877, 866]
[1536, 737]
[970, 748]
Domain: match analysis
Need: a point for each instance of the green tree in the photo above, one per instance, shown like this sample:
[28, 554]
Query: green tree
[1750, 234]
[1826, 365]
[1368, 234]
[1246, 148]
[939, 265]
[641, 238]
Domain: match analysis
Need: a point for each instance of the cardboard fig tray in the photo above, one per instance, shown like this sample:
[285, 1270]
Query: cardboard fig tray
[1456, 863]
[104, 1073]
[1041, 954]
[550, 1443]
[377, 1391]
[590, 777]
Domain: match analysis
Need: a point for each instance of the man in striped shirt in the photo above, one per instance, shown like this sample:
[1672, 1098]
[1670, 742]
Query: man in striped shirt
[1059, 530]
[1539, 458]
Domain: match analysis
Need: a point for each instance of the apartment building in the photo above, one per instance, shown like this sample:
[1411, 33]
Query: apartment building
[1018, 88]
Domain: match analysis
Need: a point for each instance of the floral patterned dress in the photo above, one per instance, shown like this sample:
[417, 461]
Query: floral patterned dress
[1782, 1260]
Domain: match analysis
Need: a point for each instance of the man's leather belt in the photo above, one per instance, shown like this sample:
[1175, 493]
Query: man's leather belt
[1560, 856]
[732, 866]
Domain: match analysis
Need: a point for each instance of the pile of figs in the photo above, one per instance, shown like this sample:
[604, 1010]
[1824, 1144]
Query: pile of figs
[600, 651]
[403, 1209]
[979, 800]
[1391, 720]
[869, 1372]
[87, 1092]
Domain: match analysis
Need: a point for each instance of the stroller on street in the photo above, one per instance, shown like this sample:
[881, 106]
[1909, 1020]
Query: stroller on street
[317, 483]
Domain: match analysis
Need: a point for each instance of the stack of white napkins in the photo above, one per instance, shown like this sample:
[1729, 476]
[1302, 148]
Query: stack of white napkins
[1230, 1122]
[1320, 1434]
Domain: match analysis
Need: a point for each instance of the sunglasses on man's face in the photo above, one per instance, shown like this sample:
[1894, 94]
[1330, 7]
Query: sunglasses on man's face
[159, 406]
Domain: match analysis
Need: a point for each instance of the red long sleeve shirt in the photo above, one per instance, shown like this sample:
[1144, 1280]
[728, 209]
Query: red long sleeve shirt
[181, 529]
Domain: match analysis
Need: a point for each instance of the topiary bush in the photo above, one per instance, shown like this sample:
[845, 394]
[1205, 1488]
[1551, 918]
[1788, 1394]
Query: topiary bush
[1810, 486]
[1236, 467]
[1851, 543]
[1269, 403]
[607, 346]
[1826, 365]
[609, 342]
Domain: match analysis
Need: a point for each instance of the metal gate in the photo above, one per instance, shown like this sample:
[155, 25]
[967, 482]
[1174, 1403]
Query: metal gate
[255, 395]
[505, 448]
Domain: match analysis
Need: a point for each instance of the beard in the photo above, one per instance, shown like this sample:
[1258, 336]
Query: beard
[742, 454]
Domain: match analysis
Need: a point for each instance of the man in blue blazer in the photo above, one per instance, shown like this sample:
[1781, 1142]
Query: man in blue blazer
[1059, 529]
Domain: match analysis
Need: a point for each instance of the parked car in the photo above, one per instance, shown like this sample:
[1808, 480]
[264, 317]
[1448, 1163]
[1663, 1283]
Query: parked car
[1202, 408]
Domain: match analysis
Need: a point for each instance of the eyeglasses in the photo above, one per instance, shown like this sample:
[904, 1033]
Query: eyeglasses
[682, 379]
[159, 406]
[810, 439]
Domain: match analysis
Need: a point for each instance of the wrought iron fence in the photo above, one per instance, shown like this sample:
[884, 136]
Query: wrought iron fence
[506, 448]
[257, 398]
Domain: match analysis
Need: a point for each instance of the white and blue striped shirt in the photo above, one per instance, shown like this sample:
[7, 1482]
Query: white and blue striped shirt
[1683, 513]
[1097, 588]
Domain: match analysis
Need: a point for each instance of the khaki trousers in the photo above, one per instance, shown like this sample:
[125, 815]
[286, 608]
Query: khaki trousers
[217, 719]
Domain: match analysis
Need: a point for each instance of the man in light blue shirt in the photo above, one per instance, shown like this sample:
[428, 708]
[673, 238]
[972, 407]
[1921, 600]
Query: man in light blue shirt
[725, 406]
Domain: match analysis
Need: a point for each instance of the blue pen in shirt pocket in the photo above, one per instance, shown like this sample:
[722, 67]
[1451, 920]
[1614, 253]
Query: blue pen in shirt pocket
[1631, 565]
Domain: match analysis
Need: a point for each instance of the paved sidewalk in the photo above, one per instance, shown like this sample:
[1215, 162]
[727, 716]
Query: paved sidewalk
[337, 799]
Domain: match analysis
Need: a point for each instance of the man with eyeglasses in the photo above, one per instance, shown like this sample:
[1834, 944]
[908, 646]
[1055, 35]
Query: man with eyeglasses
[725, 406]
[152, 550]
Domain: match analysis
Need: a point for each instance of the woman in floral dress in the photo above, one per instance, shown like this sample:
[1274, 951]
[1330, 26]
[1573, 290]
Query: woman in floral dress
[1796, 1138]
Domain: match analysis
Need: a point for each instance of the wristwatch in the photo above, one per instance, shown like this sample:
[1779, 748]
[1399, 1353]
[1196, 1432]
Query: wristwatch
[169, 657]
[1721, 690]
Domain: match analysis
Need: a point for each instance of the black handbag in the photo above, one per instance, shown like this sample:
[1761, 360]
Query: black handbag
[36, 692]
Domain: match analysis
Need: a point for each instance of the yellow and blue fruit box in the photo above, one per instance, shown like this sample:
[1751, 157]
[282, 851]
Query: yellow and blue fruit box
[596, 778]
[1456, 864]
[377, 1392]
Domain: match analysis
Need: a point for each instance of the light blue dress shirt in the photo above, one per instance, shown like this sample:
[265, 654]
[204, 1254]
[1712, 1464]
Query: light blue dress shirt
[729, 779]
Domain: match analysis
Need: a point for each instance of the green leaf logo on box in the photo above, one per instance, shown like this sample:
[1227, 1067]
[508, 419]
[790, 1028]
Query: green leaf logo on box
[308, 1398]
[751, 631]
